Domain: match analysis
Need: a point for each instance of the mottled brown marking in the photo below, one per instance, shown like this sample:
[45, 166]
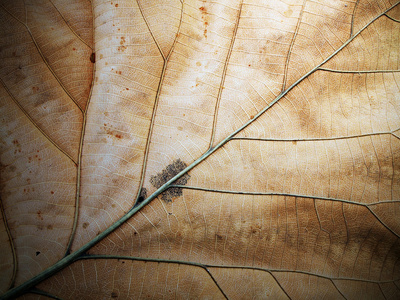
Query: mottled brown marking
[169, 172]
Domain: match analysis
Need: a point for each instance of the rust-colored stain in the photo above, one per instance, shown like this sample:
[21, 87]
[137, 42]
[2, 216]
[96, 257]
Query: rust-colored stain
[205, 18]
[39, 215]
[110, 131]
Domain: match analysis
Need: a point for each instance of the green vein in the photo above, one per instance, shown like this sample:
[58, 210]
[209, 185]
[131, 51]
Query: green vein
[75, 255]
[357, 72]
[43, 293]
[314, 139]
[391, 18]
[34, 123]
[297, 196]
[221, 85]
[279, 194]
[10, 238]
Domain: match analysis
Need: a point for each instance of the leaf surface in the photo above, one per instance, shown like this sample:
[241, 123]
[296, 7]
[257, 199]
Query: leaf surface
[200, 149]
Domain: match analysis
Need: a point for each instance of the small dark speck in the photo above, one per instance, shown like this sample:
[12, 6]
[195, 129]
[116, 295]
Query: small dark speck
[37, 253]
[93, 57]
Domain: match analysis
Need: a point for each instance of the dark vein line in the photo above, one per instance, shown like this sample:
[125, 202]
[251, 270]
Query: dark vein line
[357, 72]
[296, 196]
[221, 85]
[44, 59]
[61, 264]
[352, 18]
[313, 139]
[291, 46]
[10, 238]
[380, 221]
[279, 194]
[151, 32]
[34, 123]
[344, 297]
[72, 30]
[200, 265]
[215, 282]
[153, 116]
[79, 170]
[383, 294]
[43, 293]
[278, 283]
[391, 18]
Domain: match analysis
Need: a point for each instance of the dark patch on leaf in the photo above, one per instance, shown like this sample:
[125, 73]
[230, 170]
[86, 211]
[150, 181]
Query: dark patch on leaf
[142, 196]
[93, 57]
[37, 253]
[166, 174]
[114, 295]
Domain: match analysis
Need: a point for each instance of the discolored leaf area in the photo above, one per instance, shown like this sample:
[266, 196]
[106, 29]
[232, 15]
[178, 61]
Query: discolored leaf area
[200, 149]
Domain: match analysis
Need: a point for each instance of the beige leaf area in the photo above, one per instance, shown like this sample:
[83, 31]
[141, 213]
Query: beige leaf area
[183, 149]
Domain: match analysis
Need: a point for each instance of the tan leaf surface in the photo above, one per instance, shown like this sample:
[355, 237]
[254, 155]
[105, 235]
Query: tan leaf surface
[200, 149]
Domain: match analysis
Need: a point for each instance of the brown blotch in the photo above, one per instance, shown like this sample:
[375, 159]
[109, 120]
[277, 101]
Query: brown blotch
[116, 5]
[169, 172]
[49, 227]
[52, 192]
[114, 295]
[85, 225]
[93, 57]
[39, 215]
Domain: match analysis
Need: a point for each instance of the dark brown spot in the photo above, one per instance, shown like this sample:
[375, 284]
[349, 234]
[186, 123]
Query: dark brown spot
[169, 172]
[85, 225]
[116, 5]
[93, 57]
[49, 227]
[114, 295]
[52, 192]
[219, 236]
[39, 215]
[142, 196]
[37, 253]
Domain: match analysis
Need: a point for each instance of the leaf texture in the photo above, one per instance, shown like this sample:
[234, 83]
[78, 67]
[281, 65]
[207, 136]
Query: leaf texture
[200, 149]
